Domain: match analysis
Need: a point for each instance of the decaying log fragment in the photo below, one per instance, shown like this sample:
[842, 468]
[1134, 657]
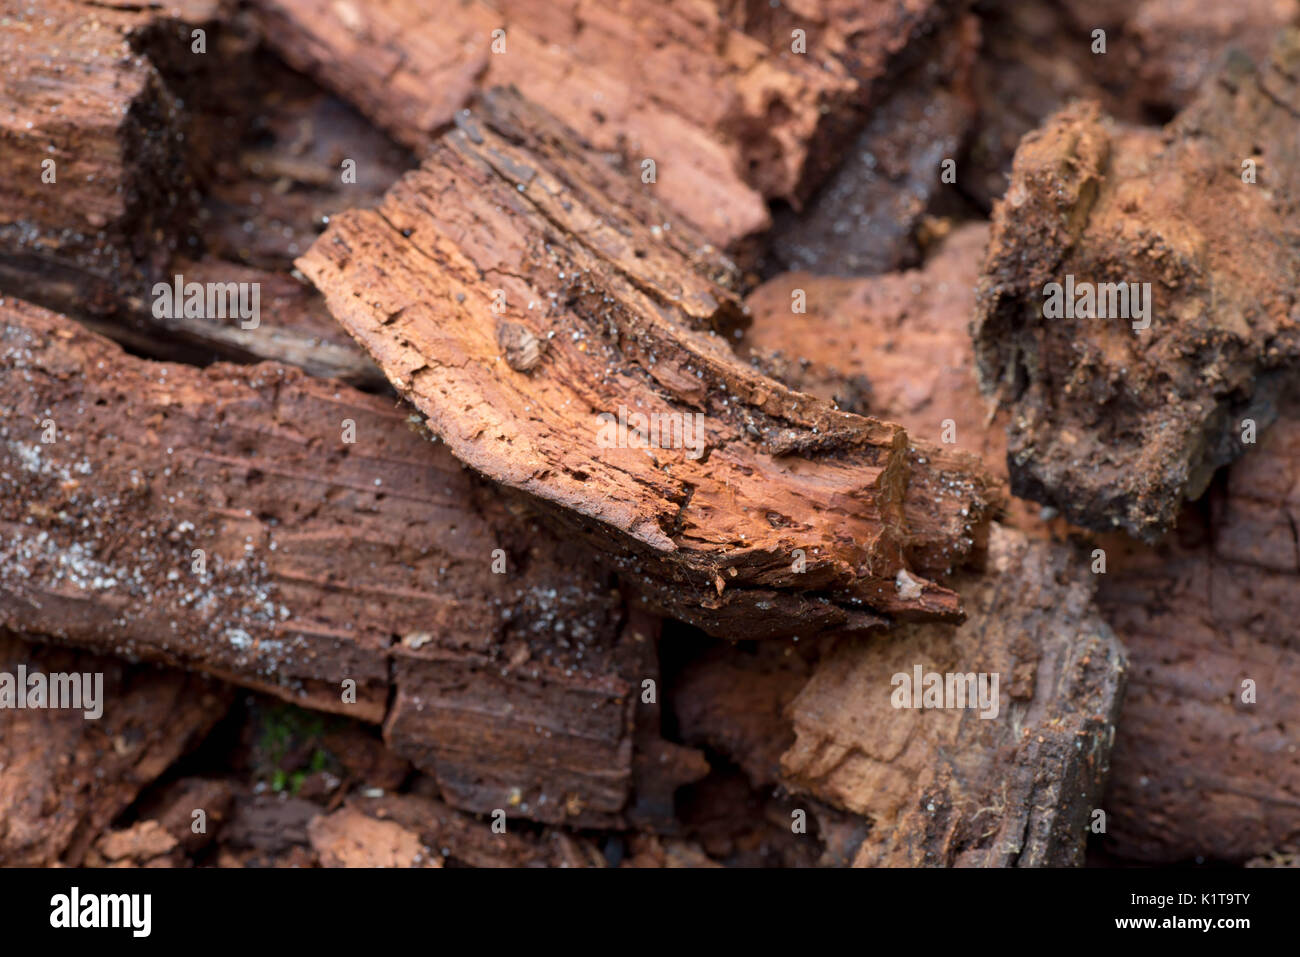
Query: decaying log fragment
[99, 183]
[509, 234]
[1206, 765]
[64, 777]
[135, 125]
[733, 106]
[291, 534]
[1116, 420]
[949, 786]
[1195, 772]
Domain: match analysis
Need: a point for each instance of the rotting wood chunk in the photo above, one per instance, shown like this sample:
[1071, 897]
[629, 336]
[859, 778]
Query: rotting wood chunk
[998, 755]
[729, 499]
[64, 778]
[1136, 312]
[296, 536]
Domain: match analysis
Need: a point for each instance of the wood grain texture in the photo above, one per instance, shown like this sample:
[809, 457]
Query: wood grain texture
[948, 787]
[712, 92]
[325, 561]
[508, 225]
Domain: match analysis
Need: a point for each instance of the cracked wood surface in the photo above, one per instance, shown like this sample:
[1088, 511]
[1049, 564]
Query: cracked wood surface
[947, 787]
[713, 93]
[507, 228]
[324, 561]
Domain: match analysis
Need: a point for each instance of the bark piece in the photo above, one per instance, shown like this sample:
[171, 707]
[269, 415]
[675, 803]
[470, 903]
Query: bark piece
[868, 40]
[80, 90]
[325, 561]
[463, 839]
[64, 778]
[1114, 425]
[729, 119]
[947, 786]
[507, 212]
[1198, 770]
[365, 758]
[349, 838]
[865, 219]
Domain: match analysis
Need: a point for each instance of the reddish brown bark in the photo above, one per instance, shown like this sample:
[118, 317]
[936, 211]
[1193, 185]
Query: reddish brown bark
[325, 561]
[623, 318]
